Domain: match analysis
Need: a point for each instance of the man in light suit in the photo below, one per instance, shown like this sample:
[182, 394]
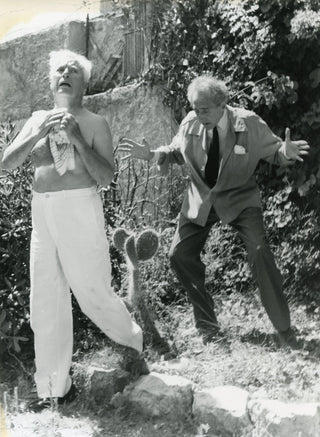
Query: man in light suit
[222, 147]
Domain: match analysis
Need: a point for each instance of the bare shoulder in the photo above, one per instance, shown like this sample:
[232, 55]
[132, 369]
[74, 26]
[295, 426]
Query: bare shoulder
[94, 119]
[95, 130]
[94, 123]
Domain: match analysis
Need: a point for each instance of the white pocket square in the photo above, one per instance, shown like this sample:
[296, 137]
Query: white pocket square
[239, 150]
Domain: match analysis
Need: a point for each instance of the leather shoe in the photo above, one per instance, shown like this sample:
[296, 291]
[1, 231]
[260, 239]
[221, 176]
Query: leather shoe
[38, 405]
[288, 338]
[134, 363]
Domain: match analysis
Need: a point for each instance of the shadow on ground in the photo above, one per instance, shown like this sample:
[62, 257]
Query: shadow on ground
[305, 345]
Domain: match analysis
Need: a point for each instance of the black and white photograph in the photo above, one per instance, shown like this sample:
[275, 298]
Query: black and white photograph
[160, 218]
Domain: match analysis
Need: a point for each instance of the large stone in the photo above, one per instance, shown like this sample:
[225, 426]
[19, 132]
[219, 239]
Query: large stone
[160, 395]
[223, 408]
[105, 383]
[285, 419]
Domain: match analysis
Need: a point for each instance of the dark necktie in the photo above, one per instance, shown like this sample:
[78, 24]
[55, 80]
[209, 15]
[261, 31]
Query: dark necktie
[212, 166]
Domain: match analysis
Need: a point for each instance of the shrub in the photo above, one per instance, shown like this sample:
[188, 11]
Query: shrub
[267, 51]
[15, 231]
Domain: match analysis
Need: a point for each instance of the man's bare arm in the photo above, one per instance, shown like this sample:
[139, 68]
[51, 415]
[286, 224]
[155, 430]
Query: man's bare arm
[31, 133]
[170, 153]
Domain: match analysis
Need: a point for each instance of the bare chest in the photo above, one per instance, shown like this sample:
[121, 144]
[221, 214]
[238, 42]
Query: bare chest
[41, 154]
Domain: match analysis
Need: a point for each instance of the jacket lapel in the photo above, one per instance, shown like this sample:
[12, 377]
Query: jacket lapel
[195, 150]
[235, 126]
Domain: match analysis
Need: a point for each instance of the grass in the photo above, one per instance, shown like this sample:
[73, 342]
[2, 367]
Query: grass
[247, 357]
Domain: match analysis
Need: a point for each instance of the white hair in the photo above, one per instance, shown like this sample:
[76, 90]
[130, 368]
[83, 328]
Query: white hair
[213, 88]
[61, 57]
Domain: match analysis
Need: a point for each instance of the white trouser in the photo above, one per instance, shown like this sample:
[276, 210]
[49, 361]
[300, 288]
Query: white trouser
[69, 249]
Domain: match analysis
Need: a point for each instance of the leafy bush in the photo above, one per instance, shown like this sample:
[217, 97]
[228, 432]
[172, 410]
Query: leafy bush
[294, 234]
[15, 231]
[267, 51]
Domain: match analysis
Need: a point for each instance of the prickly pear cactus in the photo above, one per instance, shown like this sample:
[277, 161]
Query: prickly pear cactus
[138, 249]
[120, 236]
[147, 244]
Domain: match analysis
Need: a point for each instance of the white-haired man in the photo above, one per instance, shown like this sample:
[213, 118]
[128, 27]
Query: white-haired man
[71, 149]
[222, 147]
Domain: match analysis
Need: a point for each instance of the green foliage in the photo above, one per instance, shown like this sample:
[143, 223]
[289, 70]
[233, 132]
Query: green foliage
[15, 231]
[226, 260]
[267, 51]
[295, 236]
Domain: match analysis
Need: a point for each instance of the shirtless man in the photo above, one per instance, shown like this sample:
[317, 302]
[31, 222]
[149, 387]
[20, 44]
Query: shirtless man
[71, 149]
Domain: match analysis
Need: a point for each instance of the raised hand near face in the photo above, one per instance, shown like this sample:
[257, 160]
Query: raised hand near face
[45, 122]
[135, 150]
[295, 149]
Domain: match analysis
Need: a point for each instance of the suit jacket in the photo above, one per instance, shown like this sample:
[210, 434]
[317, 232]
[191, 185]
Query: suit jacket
[236, 188]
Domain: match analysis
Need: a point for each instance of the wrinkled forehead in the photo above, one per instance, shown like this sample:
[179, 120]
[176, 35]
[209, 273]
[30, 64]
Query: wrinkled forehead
[202, 99]
[65, 62]
[68, 63]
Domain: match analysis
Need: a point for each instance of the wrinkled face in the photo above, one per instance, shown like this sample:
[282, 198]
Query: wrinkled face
[207, 112]
[68, 79]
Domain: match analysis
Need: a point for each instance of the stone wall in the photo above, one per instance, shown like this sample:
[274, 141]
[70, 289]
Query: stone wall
[135, 111]
[24, 61]
[24, 68]
[106, 40]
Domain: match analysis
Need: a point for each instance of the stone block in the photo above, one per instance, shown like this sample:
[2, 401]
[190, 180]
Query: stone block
[283, 419]
[223, 408]
[160, 395]
[103, 384]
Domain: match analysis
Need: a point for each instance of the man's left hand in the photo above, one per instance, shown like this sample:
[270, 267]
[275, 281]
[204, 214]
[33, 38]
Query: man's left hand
[295, 150]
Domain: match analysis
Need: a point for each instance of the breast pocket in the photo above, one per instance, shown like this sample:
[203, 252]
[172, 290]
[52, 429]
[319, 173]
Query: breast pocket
[240, 167]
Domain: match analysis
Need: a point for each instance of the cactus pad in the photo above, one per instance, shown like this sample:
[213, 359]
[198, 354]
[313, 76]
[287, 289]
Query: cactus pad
[147, 244]
[130, 249]
[119, 238]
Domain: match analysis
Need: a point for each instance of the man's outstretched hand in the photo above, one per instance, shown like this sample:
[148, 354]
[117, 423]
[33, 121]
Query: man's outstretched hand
[295, 149]
[135, 150]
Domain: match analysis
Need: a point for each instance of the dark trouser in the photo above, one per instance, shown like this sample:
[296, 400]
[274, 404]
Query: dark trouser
[187, 245]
